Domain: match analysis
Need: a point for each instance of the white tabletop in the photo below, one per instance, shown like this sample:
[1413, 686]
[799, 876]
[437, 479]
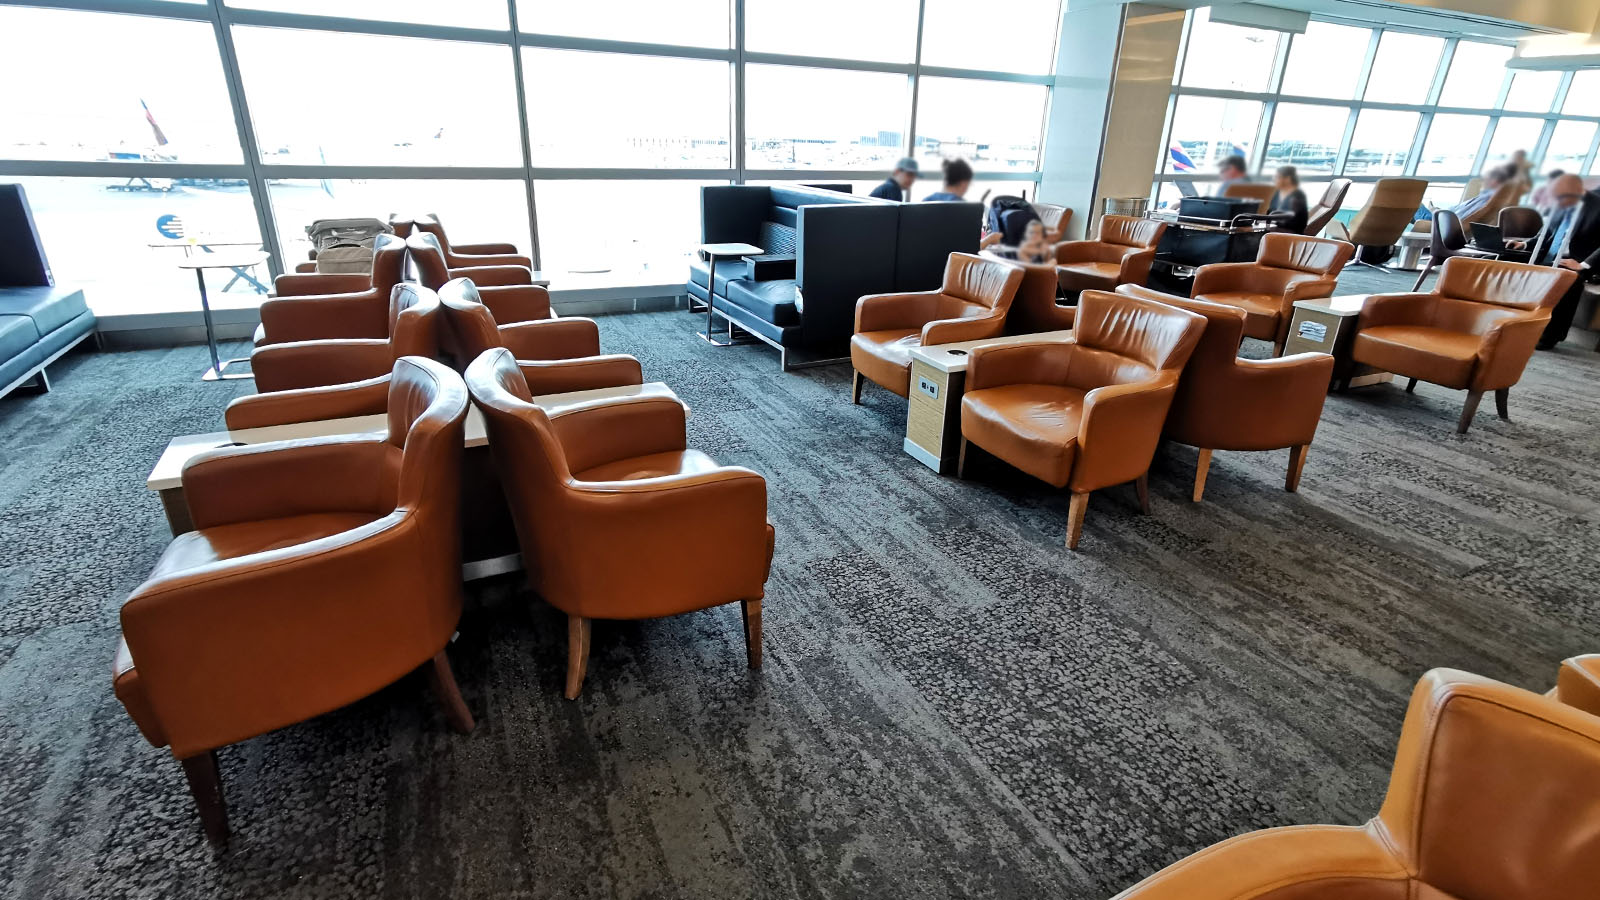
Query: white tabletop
[168, 471]
[954, 357]
[730, 250]
[1347, 305]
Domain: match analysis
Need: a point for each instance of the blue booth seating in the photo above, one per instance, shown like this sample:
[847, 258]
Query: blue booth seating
[38, 325]
[824, 250]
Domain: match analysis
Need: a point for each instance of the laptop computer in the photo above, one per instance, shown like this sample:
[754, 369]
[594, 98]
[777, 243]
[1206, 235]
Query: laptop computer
[1488, 237]
[1187, 188]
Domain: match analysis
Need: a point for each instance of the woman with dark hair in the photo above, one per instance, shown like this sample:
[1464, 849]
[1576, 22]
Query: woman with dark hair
[1290, 199]
[957, 178]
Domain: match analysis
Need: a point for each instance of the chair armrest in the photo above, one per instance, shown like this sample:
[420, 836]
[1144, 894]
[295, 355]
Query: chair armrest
[1136, 266]
[1579, 683]
[1395, 309]
[363, 315]
[1261, 863]
[306, 364]
[552, 338]
[584, 374]
[725, 507]
[1044, 362]
[1319, 289]
[305, 285]
[516, 302]
[1120, 428]
[882, 312]
[971, 328]
[1505, 349]
[460, 260]
[1068, 252]
[210, 642]
[611, 430]
[1214, 277]
[292, 478]
[315, 404]
[494, 275]
[1278, 402]
[486, 249]
[306, 267]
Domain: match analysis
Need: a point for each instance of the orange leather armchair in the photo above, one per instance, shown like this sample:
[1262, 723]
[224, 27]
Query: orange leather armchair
[969, 306]
[1475, 332]
[413, 330]
[461, 256]
[594, 490]
[1288, 267]
[490, 275]
[1579, 683]
[1227, 403]
[555, 355]
[311, 306]
[1086, 413]
[319, 572]
[1036, 307]
[1122, 255]
[1494, 793]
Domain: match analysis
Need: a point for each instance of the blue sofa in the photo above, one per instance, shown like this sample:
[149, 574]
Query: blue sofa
[37, 325]
[824, 250]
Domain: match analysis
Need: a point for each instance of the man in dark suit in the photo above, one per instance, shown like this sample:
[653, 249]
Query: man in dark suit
[1570, 239]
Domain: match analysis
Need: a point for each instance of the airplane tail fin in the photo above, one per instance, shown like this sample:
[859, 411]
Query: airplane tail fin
[161, 137]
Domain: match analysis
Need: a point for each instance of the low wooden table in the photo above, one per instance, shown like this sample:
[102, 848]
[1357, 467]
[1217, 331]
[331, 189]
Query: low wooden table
[1329, 326]
[938, 380]
[489, 540]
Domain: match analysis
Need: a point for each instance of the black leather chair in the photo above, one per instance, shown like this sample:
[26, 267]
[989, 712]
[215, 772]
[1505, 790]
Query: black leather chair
[823, 250]
[1448, 239]
[1520, 223]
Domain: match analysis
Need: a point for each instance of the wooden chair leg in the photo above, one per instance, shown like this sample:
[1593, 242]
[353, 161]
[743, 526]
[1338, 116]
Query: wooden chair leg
[1468, 411]
[855, 386]
[752, 631]
[1141, 485]
[1411, 385]
[1075, 511]
[577, 654]
[1297, 464]
[961, 460]
[1500, 398]
[1201, 470]
[443, 682]
[205, 783]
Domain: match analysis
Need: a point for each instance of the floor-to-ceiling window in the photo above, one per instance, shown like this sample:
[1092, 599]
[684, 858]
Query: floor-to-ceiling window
[580, 131]
[1366, 103]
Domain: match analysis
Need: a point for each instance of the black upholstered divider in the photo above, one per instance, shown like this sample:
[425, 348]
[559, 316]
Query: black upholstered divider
[857, 243]
[928, 234]
[733, 213]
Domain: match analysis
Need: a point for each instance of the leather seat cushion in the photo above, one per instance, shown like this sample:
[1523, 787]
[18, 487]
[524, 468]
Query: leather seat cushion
[200, 548]
[1031, 426]
[773, 301]
[1089, 276]
[1417, 351]
[49, 307]
[727, 270]
[1261, 311]
[17, 334]
[655, 465]
[884, 357]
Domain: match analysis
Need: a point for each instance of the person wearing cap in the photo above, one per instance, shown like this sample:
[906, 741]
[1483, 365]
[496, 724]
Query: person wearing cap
[898, 185]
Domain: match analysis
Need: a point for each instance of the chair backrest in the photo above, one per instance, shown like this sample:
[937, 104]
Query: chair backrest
[427, 259]
[1147, 332]
[1388, 213]
[413, 320]
[402, 224]
[388, 262]
[1056, 218]
[1035, 308]
[986, 282]
[1448, 236]
[1253, 191]
[1224, 329]
[427, 416]
[429, 224]
[1495, 791]
[1328, 207]
[1316, 256]
[1130, 231]
[1508, 284]
[1503, 196]
[1520, 222]
[470, 328]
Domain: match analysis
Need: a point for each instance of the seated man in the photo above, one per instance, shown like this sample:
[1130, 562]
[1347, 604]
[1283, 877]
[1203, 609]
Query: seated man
[1492, 180]
[898, 185]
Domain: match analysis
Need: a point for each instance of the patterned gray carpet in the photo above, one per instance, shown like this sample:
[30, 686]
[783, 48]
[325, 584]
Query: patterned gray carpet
[953, 705]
